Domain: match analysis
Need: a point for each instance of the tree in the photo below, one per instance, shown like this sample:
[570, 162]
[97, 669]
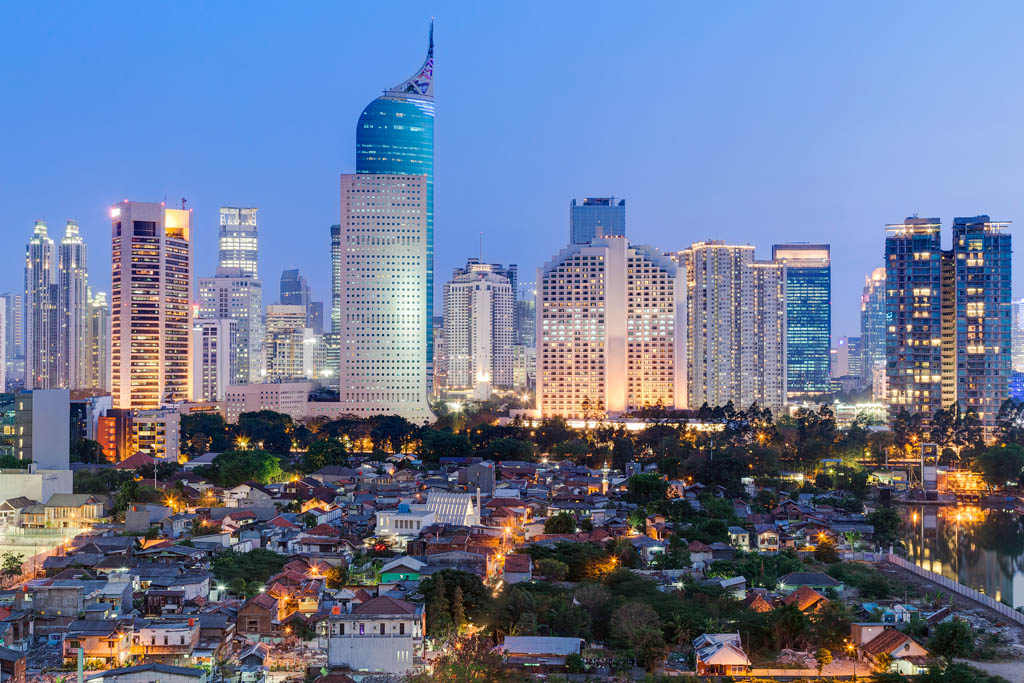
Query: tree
[87, 451]
[322, 453]
[507, 449]
[561, 523]
[10, 563]
[255, 566]
[823, 657]
[887, 524]
[391, 432]
[1002, 464]
[636, 628]
[438, 443]
[552, 569]
[236, 467]
[204, 432]
[646, 488]
[825, 552]
[952, 639]
[458, 608]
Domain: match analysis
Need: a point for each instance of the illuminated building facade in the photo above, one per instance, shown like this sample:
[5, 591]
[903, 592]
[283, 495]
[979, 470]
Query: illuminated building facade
[73, 309]
[596, 217]
[289, 347]
[238, 243]
[872, 324]
[808, 317]
[610, 335]
[212, 343]
[1018, 336]
[42, 357]
[395, 136]
[232, 295]
[478, 329]
[98, 344]
[383, 354]
[151, 327]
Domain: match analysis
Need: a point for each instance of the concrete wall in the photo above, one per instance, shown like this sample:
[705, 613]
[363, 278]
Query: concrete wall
[38, 484]
[390, 654]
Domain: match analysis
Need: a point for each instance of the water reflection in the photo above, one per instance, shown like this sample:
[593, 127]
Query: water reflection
[980, 548]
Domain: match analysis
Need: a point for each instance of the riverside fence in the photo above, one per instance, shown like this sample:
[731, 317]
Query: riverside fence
[958, 588]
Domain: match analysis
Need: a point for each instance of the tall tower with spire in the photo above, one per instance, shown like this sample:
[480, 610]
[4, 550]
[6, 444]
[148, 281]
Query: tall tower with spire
[395, 136]
[41, 354]
[385, 271]
[73, 308]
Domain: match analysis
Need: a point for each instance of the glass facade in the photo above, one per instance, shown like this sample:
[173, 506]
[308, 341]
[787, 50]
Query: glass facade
[872, 323]
[596, 217]
[395, 136]
[808, 317]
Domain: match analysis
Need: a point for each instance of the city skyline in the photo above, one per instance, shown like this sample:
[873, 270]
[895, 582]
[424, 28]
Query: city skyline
[858, 195]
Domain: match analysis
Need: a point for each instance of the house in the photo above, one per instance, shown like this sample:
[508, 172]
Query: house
[518, 568]
[401, 569]
[10, 510]
[169, 640]
[767, 538]
[380, 635]
[151, 671]
[66, 510]
[906, 655]
[757, 601]
[739, 538]
[103, 641]
[816, 580]
[259, 617]
[700, 555]
[806, 599]
[720, 654]
[734, 585]
[539, 651]
[12, 666]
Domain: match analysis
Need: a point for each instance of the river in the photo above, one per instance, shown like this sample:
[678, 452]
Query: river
[980, 548]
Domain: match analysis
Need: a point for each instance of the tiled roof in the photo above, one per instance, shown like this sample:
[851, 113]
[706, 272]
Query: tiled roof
[384, 605]
[885, 642]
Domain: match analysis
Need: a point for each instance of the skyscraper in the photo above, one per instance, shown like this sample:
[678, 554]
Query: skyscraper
[735, 326]
[212, 345]
[73, 309]
[982, 267]
[478, 322]
[872, 324]
[382, 289]
[98, 344]
[294, 290]
[609, 334]
[1018, 335]
[335, 278]
[596, 217]
[230, 294]
[913, 305]
[151, 330]
[14, 335]
[42, 360]
[808, 317]
[289, 347]
[238, 246]
[395, 136]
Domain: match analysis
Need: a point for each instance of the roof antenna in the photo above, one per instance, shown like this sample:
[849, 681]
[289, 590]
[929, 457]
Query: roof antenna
[184, 202]
[481, 247]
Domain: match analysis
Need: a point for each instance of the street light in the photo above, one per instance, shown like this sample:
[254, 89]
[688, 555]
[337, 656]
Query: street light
[852, 650]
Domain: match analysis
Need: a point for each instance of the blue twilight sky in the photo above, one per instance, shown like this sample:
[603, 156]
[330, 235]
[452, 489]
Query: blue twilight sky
[750, 122]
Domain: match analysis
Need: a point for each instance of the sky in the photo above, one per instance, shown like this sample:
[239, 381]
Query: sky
[755, 123]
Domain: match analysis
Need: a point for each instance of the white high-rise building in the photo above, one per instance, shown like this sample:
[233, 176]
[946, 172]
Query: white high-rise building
[289, 347]
[238, 245]
[609, 332]
[478, 330]
[1018, 335]
[151, 327]
[212, 343]
[42, 357]
[736, 326]
[73, 309]
[239, 298]
[383, 295]
[14, 336]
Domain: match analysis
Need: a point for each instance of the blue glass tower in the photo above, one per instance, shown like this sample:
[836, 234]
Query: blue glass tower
[395, 136]
[596, 217]
[808, 318]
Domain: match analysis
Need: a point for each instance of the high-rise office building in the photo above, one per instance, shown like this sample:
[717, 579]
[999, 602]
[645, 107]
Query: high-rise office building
[609, 334]
[98, 343]
[289, 347]
[151, 327]
[3, 348]
[596, 217]
[212, 346]
[73, 309]
[478, 322]
[395, 136]
[855, 354]
[808, 317]
[238, 245]
[382, 288]
[42, 359]
[982, 266]
[294, 290]
[232, 295]
[913, 304]
[315, 317]
[335, 278]
[14, 336]
[872, 325]
[1018, 335]
[736, 321]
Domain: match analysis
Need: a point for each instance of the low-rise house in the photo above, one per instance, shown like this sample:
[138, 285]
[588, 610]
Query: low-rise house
[700, 555]
[767, 538]
[170, 641]
[816, 580]
[539, 652]
[757, 601]
[104, 641]
[12, 666]
[739, 538]
[381, 635]
[401, 569]
[151, 671]
[259, 617]
[904, 654]
[518, 568]
[806, 599]
[720, 654]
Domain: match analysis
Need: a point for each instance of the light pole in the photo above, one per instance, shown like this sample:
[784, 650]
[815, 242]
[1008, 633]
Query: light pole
[853, 654]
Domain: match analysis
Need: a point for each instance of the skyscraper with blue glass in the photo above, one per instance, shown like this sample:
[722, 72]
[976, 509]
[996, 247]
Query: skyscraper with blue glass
[596, 217]
[808, 317]
[395, 136]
